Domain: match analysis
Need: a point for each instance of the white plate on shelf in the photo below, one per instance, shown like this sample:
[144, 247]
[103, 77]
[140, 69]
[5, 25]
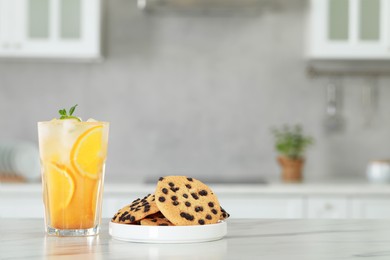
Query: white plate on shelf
[168, 234]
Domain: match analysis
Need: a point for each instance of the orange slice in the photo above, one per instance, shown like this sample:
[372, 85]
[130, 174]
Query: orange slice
[60, 185]
[87, 155]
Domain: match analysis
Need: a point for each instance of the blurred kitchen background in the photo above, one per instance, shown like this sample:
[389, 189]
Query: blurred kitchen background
[195, 90]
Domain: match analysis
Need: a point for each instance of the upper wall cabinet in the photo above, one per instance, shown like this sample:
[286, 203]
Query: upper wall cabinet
[63, 29]
[349, 29]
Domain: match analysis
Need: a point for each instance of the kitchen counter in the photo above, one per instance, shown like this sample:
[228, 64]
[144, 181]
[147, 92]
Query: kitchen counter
[246, 239]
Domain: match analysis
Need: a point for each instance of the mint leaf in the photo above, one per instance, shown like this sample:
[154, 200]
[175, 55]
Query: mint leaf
[64, 114]
[71, 110]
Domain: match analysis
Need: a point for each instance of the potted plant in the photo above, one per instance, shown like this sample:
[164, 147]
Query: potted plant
[291, 143]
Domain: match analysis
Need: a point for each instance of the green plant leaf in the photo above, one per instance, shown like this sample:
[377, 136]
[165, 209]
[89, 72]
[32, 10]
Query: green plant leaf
[71, 110]
[290, 141]
[64, 114]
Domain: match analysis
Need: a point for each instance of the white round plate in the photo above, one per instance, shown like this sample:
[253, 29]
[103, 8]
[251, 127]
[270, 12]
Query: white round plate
[168, 234]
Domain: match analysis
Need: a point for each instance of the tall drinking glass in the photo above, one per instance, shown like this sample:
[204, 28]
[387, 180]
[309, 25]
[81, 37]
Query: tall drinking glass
[73, 156]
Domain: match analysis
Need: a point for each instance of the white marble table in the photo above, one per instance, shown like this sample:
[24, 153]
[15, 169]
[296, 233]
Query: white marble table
[246, 239]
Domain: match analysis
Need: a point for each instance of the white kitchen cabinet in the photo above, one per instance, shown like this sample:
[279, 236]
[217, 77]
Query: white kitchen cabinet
[349, 29]
[29, 206]
[62, 29]
[327, 207]
[371, 208]
[273, 202]
[279, 207]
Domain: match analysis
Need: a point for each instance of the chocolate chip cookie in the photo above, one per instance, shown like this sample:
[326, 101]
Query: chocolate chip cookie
[137, 210]
[187, 201]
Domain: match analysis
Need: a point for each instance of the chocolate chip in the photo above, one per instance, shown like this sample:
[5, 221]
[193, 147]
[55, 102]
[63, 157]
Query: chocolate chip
[224, 215]
[161, 178]
[203, 193]
[171, 184]
[114, 217]
[185, 195]
[199, 208]
[187, 216]
[187, 204]
[174, 198]
[175, 203]
[132, 218]
[208, 217]
[190, 179]
[146, 209]
[154, 220]
[201, 221]
[136, 209]
[214, 211]
[173, 189]
[163, 224]
[188, 186]
[165, 191]
[211, 204]
[177, 188]
[194, 196]
[161, 199]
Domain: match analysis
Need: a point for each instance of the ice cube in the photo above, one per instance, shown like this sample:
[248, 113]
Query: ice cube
[69, 125]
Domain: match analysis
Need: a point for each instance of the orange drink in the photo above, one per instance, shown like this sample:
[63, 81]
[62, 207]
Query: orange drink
[73, 156]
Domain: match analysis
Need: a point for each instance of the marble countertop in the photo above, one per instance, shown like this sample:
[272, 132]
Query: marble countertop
[246, 239]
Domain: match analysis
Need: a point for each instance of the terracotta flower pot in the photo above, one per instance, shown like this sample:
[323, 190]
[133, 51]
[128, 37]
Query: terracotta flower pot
[291, 169]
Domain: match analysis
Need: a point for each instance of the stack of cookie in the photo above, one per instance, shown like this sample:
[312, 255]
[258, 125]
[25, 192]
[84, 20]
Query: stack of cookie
[177, 201]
